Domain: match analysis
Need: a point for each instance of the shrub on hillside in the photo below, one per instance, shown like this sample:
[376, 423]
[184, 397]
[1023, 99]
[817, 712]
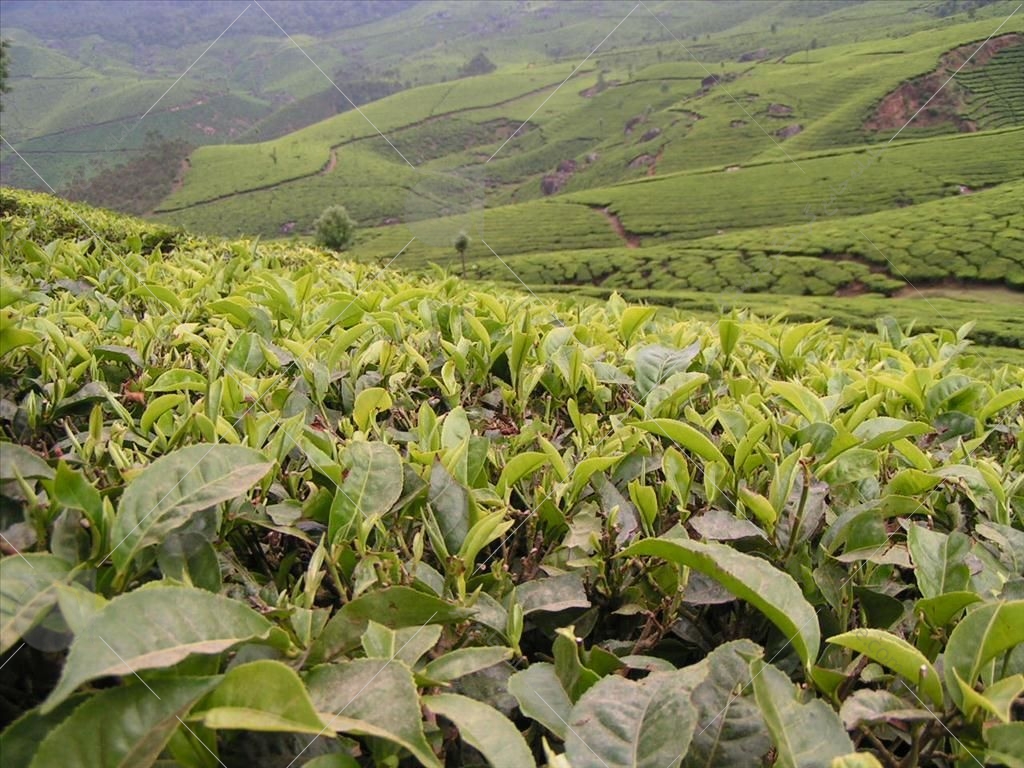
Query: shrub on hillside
[335, 229]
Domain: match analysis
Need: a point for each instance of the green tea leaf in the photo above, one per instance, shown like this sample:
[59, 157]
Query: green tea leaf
[803, 734]
[372, 697]
[484, 728]
[369, 403]
[981, 635]
[686, 436]
[731, 727]
[542, 697]
[896, 654]
[125, 727]
[20, 740]
[17, 461]
[392, 607]
[171, 490]
[938, 560]
[406, 644]
[155, 628]
[371, 488]
[465, 661]
[179, 380]
[771, 591]
[28, 590]
[620, 723]
[655, 363]
[262, 695]
[1005, 745]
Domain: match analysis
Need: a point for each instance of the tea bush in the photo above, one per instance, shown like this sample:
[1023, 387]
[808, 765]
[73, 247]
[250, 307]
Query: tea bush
[287, 511]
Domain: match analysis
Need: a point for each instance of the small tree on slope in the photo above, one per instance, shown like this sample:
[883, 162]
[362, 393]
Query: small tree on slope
[335, 228]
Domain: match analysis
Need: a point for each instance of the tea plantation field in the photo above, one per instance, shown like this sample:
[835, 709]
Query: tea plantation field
[294, 510]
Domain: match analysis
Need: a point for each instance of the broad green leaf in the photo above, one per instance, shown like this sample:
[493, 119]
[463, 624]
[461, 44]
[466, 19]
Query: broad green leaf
[464, 661]
[896, 654]
[17, 461]
[1005, 745]
[771, 591]
[870, 707]
[368, 404]
[372, 697]
[456, 428]
[157, 408]
[633, 319]
[655, 363]
[124, 727]
[485, 729]
[940, 610]
[851, 466]
[760, 506]
[911, 482]
[730, 726]
[20, 740]
[118, 353]
[981, 635]
[686, 436]
[803, 400]
[728, 334]
[160, 293]
[553, 593]
[155, 628]
[179, 380]
[188, 557]
[576, 678]
[13, 338]
[262, 695]
[372, 486]
[78, 606]
[171, 490]
[28, 590]
[407, 644]
[450, 501]
[393, 607]
[938, 560]
[587, 468]
[997, 699]
[883, 430]
[677, 474]
[803, 734]
[1001, 400]
[71, 489]
[623, 724]
[487, 529]
[542, 697]
[518, 467]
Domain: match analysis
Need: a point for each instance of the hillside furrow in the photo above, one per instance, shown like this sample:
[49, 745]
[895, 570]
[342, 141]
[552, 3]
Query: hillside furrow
[415, 124]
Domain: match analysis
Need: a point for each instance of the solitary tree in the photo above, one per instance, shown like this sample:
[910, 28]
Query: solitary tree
[3, 69]
[335, 228]
[461, 244]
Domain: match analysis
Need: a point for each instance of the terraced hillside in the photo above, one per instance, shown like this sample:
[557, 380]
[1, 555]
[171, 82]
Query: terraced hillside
[618, 119]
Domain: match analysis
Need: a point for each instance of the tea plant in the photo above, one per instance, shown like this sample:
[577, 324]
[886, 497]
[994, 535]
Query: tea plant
[260, 507]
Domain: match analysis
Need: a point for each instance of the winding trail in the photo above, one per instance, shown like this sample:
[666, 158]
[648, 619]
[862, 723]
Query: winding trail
[631, 240]
[332, 163]
[331, 159]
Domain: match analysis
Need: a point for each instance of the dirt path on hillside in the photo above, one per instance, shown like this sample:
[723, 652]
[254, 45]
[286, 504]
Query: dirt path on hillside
[179, 180]
[332, 163]
[631, 240]
[952, 288]
[335, 147]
